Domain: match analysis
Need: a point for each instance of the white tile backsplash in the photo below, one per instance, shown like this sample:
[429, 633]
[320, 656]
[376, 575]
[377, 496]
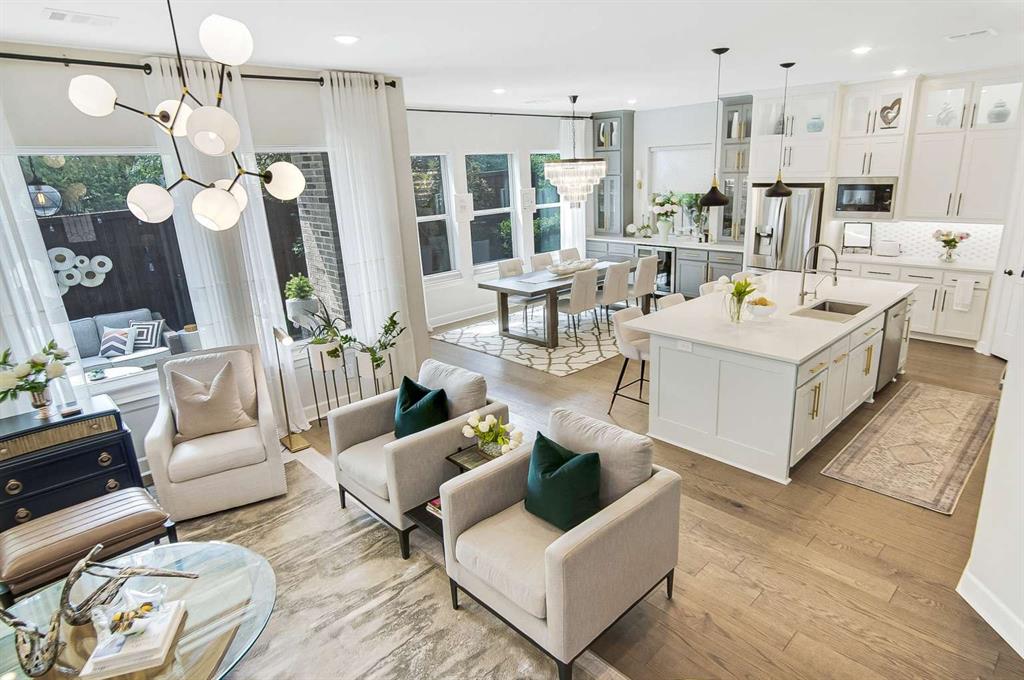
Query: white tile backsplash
[915, 238]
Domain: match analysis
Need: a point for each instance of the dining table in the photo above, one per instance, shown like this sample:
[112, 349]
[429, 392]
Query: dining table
[544, 285]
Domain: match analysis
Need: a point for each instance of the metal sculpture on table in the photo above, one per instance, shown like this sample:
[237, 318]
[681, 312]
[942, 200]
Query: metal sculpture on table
[38, 650]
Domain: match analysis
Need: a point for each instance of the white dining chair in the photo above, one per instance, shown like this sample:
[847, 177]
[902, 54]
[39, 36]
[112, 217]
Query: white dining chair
[568, 254]
[514, 267]
[614, 289]
[709, 287]
[644, 280]
[582, 297]
[633, 345]
[739, 276]
[671, 300]
[539, 261]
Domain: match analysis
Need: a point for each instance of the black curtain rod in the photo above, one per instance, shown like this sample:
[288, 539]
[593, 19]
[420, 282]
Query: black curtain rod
[502, 113]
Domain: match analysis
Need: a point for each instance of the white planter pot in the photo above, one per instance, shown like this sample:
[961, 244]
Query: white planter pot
[300, 312]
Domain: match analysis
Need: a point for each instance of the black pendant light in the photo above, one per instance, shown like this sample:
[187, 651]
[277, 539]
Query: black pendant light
[779, 189]
[715, 198]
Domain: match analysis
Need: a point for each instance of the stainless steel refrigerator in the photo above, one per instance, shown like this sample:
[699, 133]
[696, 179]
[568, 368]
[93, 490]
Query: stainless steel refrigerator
[784, 228]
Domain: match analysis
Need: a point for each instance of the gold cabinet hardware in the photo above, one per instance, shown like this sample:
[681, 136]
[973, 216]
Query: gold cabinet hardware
[839, 359]
[820, 366]
[867, 359]
[22, 515]
[113, 485]
[13, 487]
[105, 459]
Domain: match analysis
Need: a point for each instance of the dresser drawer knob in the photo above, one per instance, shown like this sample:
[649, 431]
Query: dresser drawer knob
[105, 459]
[13, 487]
[22, 515]
[113, 485]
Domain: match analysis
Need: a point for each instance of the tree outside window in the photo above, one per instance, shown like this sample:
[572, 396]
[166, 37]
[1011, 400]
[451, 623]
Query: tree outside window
[547, 218]
[488, 180]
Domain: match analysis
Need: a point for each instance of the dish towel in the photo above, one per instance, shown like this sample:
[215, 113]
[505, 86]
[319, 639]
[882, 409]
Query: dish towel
[963, 293]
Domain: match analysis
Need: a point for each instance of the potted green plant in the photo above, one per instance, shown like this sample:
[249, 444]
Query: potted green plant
[376, 354]
[34, 376]
[327, 339]
[299, 302]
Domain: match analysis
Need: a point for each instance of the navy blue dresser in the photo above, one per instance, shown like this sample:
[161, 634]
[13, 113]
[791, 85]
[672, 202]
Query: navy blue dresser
[49, 465]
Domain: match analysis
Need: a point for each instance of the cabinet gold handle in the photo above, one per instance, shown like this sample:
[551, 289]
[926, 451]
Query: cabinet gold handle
[13, 487]
[820, 366]
[105, 459]
[113, 485]
[22, 515]
[839, 359]
[817, 401]
[867, 359]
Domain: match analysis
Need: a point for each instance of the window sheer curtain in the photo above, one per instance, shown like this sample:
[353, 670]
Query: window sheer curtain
[574, 220]
[31, 312]
[365, 194]
[230, 274]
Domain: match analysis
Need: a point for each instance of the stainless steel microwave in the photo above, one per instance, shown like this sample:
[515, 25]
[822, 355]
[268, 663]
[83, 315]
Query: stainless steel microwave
[859, 197]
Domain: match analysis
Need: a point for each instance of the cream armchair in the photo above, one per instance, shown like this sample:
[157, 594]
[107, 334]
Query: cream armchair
[218, 471]
[563, 589]
[390, 476]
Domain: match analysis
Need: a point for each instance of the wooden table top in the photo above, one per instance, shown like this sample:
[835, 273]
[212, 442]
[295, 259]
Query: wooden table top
[541, 282]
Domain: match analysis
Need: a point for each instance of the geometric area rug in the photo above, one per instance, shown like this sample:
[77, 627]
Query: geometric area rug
[595, 344]
[349, 607]
[921, 446]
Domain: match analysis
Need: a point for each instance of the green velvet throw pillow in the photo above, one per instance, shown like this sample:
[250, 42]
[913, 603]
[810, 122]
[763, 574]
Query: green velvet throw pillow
[418, 408]
[562, 486]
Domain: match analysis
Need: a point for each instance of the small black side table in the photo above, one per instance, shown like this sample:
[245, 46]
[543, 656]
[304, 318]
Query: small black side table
[465, 460]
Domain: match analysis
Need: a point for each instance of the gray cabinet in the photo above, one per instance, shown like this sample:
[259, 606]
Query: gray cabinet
[613, 196]
[718, 269]
[689, 275]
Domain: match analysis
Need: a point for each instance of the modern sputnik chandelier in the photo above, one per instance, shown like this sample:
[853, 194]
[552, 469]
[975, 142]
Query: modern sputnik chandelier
[575, 177]
[209, 128]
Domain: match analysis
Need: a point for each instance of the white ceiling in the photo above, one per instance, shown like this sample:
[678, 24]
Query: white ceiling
[452, 54]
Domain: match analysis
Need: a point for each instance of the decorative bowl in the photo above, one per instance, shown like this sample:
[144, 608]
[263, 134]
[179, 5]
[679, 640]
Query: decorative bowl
[762, 312]
[571, 266]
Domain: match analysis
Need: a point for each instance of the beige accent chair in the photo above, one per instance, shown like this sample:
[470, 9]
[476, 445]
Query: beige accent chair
[645, 280]
[582, 297]
[633, 345]
[742, 276]
[561, 590]
[568, 254]
[218, 471]
[389, 476]
[614, 289]
[708, 288]
[539, 261]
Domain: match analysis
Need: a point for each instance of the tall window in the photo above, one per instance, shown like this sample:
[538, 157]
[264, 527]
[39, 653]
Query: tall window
[488, 178]
[432, 219]
[304, 233]
[547, 218]
[104, 259]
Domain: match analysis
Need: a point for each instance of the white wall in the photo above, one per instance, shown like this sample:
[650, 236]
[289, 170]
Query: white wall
[453, 297]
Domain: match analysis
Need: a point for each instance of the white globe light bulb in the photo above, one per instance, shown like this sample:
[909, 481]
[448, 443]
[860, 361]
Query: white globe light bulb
[216, 209]
[238, 191]
[286, 181]
[213, 131]
[150, 203]
[225, 40]
[92, 95]
[166, 112]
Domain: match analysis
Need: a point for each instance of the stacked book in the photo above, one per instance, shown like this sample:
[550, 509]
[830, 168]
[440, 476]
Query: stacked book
[434, 507]
[147, 646]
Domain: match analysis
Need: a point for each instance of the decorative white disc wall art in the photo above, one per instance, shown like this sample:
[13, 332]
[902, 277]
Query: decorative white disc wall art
[72, 270]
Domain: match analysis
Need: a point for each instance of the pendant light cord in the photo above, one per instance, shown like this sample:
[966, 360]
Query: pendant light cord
[718, 101]
[572, 125]
[785, 93]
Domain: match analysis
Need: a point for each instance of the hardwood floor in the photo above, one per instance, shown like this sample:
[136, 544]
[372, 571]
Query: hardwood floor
[817, 579]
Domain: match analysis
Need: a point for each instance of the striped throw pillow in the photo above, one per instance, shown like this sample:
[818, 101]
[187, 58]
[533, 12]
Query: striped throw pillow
[147, 333]
[117, 342]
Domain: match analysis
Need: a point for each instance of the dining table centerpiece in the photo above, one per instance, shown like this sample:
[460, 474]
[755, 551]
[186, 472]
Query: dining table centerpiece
[492, 436]
[33, 375]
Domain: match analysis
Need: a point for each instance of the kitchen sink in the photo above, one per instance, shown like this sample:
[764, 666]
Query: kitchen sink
[831, 310]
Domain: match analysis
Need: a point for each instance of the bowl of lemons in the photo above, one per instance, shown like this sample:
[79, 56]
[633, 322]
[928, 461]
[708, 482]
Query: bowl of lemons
[761, 307]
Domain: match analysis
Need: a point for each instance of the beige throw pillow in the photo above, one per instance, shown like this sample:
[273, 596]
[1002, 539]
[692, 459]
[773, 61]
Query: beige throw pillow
[208, 409]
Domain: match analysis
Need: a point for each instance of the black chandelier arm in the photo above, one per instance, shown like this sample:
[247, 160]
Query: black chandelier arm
[177, 48]
[177, 154]
[180, 180]
[189, 94]
[220, 85]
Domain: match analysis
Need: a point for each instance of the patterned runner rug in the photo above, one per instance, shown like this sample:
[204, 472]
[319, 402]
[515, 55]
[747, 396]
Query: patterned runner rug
[566, 359]
[921, 447]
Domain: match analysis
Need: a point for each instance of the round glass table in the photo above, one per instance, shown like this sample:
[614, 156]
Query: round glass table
[227, 608]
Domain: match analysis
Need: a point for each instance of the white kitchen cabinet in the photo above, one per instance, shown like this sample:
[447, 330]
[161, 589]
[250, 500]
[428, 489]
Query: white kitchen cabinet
[901, 364]
[995, 104]
[764, 155]
[931, 183]
[986, 175]
[861, 373]
[876, 109]
[808, 417]
[957, 324]
[926, 308]
[810, 115]
[803, 131]
[852, 157]
[867, 157]
[806, 158]
[942, 106]
[835, 387]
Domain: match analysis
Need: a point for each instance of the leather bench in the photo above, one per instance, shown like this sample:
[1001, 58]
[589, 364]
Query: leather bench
[44, 550]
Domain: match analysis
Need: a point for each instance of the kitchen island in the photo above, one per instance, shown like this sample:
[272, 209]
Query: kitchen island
[760, 395]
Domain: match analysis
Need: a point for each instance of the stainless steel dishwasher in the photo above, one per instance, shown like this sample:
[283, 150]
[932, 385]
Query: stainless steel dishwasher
[892, 338]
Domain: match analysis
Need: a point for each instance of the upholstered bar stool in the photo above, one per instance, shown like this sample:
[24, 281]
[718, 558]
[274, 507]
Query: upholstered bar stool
[633, 344]
[671, 300]
[709, 287]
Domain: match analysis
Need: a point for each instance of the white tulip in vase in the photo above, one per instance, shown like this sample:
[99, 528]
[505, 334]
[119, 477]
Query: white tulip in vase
[492, 436]
[34, 376]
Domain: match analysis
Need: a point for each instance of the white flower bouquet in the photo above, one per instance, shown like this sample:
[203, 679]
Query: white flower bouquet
[493, 437]
[33, 375]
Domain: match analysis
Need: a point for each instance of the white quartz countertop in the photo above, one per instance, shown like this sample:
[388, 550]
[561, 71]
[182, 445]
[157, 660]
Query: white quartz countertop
[671, 242]
[782, 337]
[927, 262]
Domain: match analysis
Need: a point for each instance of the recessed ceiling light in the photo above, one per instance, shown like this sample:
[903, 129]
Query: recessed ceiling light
[498, 90]
[346, 39]
[900, 72]
[631, 101]
[863, 49]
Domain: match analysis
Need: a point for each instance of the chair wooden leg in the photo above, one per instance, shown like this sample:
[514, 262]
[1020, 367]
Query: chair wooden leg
[669, 581]
[564, 670]
[618, 384]
[643, 364]
[455, 593]
[403, 541]
[341, 492]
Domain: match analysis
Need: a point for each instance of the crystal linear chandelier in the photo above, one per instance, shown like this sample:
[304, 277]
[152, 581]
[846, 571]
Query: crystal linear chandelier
[210, 129]
[575, 177]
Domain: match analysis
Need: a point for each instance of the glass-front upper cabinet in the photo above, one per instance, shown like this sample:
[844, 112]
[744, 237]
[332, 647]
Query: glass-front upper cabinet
[768, 117]
[857, 108]
[996, 104]
[809, 115]
[736, 123]
[734, 215]
[943, 106]
[609, 210]
[889, 113]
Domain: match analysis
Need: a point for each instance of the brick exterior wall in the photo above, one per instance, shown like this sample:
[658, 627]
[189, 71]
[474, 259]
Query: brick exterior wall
[322, 244]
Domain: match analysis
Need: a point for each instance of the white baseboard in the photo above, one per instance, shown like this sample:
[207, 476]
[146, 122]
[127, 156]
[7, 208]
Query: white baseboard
[1003, 620]
[461, 315]
[942, 339]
